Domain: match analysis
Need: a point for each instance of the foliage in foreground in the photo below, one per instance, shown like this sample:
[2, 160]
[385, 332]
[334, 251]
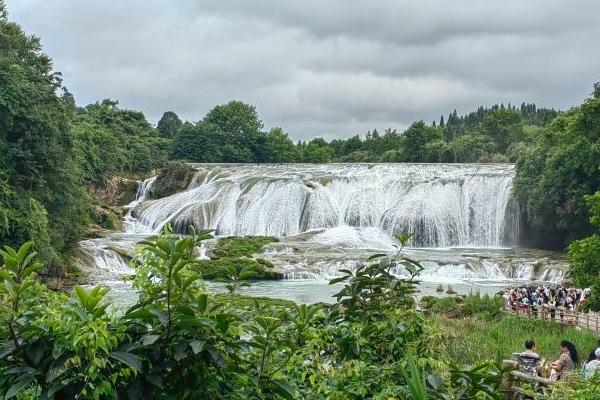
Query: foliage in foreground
[578, 389]
[178, 342]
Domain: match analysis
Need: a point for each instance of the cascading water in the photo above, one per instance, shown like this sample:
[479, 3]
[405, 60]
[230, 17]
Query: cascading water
[441, 205]
[463, 218]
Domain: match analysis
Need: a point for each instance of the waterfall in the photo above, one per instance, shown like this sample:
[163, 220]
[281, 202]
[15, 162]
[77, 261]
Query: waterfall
[442, 205]
[463, 218]
[141, 194]
[105, 258]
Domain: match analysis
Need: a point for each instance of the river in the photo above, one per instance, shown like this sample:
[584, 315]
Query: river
[463, 217]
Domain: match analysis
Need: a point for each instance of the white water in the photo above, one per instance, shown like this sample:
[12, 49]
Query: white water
[441, 204]
[463, 217]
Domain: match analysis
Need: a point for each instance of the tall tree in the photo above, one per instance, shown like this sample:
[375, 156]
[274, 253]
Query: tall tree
[556, 171]
[280, 148]
[39, 175]
[240, 124]
[416, 139]
[504, 126]
[169, 125]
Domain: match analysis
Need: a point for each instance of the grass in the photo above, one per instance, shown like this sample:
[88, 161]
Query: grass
[473, 339]
[464, 306]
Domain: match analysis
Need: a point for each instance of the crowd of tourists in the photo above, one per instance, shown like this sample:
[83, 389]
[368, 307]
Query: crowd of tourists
[538, 298]
[531, 363]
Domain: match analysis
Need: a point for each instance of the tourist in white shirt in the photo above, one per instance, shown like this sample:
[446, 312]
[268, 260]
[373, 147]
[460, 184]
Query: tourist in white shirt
[593, 366]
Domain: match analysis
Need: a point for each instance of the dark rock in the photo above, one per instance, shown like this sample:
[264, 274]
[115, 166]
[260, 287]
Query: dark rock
[116, 191]
[175, 177]
[52, 276]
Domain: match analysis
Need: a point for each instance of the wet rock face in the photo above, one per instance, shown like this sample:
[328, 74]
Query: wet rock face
[116, 191]
[109, 218]
[172, 179]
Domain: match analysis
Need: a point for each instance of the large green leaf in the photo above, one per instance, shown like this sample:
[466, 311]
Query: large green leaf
[18, 387]
[283, 389]
[197, 346]
[6, 349]
[128, 359]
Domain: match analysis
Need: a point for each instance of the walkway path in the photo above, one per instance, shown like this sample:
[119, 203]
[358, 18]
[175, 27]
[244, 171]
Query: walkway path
[589, 321]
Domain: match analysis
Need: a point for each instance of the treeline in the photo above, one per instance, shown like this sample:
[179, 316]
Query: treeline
[234, 133]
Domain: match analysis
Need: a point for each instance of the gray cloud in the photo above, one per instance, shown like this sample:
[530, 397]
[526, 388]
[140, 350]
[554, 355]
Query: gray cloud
[320, 68]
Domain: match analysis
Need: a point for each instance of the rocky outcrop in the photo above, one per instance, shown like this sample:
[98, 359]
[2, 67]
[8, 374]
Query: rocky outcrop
[116, 191]
[53, 276]
[109, 218]
[174, 178]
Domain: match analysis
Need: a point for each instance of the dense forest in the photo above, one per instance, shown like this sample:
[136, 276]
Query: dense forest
[53, 151]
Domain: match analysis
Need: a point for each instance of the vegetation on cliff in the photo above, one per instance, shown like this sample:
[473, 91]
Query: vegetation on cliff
[51, 150]
[41, 186]
[555, 172]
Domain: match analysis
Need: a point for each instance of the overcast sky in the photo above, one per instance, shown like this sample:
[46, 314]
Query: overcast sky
[320, 68]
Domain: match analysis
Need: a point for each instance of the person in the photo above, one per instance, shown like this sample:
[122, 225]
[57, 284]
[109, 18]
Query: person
[529, 361]
[567, 361]
[592, 366]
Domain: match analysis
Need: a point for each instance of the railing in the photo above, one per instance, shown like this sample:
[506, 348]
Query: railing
[515, 382]
[589, 321]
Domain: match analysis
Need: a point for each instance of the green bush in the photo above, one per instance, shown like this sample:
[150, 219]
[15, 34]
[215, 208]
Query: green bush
[483, 306]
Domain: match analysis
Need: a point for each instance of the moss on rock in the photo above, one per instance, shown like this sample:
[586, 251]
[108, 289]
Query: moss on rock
[238, 246]
[174, 178]
[109, 218]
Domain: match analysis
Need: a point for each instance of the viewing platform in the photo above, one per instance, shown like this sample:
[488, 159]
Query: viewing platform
[589, 320]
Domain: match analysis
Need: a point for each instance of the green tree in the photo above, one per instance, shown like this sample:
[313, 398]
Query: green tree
[169, 125]
[556, 171]
[228, 133]
[280, 148]
[37, 159]
[242, 128]
[584, 257]
[316, 151]
[504, 125]
[416, 139]
[109, 139]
